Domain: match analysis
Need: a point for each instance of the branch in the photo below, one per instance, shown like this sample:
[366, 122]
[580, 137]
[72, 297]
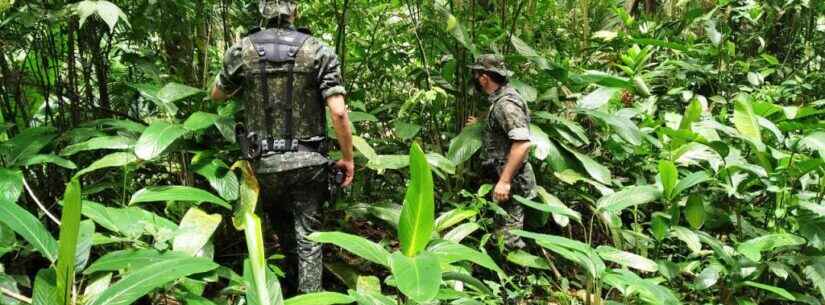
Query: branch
[15, 296]
[39, 204]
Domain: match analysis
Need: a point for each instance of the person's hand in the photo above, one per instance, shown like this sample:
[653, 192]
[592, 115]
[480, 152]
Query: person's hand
[471, 120]
[348, 167]
[501, 193]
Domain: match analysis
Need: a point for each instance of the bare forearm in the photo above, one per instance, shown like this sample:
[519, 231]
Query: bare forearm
[341, 124]
[515, 160]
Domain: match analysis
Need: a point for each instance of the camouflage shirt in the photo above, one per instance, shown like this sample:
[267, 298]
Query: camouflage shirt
[507, 121]
[316, 62]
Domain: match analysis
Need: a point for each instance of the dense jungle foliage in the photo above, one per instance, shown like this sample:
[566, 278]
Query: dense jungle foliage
[678, 144]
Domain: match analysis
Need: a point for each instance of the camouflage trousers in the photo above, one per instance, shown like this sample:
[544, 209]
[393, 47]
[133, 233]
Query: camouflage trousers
[293, 201]
[524, 185]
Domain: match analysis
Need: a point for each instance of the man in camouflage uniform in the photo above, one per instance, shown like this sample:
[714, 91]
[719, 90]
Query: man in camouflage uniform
[285, 78]
[506, 141]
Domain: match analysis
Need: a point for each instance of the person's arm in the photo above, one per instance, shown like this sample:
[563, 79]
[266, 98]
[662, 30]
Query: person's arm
[341, 124]
[219, 96]
[230, 80]
[515, 160]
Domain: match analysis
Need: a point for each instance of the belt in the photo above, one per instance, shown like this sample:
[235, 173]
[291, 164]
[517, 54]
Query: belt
[276, 146]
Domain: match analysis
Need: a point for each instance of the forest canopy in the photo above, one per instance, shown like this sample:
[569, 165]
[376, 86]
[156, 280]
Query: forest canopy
[678, 148]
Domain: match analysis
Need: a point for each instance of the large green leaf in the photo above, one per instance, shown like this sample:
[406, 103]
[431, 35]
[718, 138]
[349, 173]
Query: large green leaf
[606, 80]
[746, 122]
[11, 184]
[669, 176]
[599, 172]
[772, 289]
[109, 142]
[156, 138]
[695, 212]
[200, 120]
[194, 231]
[689, 181]
[524, 259]
[52, 159]
[449, 252]
[29, 227]
[119, 159]
[815, 142]
[753, 248]
[320, 298]
[597, 99]
[268, 294]
[626, 128]
[627, 259]
[628, 197]
[137, 283]
[176, 193]
[45, 287]
[219, 176]
[453, 217]
[688, 237]
[553, 207]
[67, 244]
[466, 144]
[815, 272]
[415, 227]
[417, 277]
[26, 144]
[130, 221]
[128, 260]
[355, 244]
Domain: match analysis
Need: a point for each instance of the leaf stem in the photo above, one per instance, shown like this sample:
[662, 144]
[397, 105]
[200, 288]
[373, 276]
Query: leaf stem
[39, 203]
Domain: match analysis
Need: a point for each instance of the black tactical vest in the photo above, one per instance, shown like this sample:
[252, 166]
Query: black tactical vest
[283, 99]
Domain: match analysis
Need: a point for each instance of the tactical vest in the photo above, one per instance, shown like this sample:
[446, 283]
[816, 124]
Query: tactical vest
[283, 100]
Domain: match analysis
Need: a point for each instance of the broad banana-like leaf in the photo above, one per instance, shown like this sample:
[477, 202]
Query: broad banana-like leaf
[418, 277]
[157, 138]
[415, 227]
[176, 193]
[29, 227]
[355, 244]
[67, 244]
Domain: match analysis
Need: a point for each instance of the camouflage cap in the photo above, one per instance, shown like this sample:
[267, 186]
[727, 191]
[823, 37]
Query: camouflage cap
[491, 63]
[276, 8]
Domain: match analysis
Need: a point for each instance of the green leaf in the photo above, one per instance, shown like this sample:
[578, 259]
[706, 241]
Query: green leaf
[693, 114]
[194, 231]
[688, 237]
[261, 291]
[29, 227]
[773, 289]
[200, 120]
[597, 171]
[84, 244]
[357, 245]
[469, 280]
[67, 245]
[364, 148]
[156, 138]
[137, 283]
[45, 287]
[11, 184]
[746, 122]
[627, 259]
[115, 142]
[708, 277]
[524, 259]
[449, 252]
[689, 181]
[460, 232]
[405, 130]
[113, 160]
[110, 13]
[415, 227]
[597, 99]
[26, 144]
[219, 176]
[440, 163]
[176, 193]
[814, 142]
[175, 92]
[452, 218]
[128, 260]
[43, 159]
[357, 116]
[695, 212]
[130, 222]
[466, 144]
[628, 197]
[626, 129]
[417, 277]
[606, 80]
[573, 250]
[669, 176]
[753, 248]
[554, 206]
[320, 298]
[815, 272]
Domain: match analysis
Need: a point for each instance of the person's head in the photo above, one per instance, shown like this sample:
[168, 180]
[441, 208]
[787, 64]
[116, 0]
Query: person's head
[278, 12]
[490, 73]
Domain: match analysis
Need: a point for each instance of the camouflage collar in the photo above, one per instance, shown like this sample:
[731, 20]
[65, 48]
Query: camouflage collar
[501, 92]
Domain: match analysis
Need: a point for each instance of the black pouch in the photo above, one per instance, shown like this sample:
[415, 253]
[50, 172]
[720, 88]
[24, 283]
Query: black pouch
[489, 169]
